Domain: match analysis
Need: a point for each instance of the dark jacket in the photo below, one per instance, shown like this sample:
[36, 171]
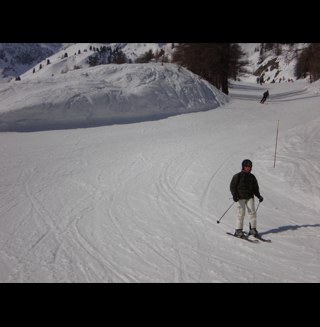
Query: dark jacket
[244, 186]
[266, 94]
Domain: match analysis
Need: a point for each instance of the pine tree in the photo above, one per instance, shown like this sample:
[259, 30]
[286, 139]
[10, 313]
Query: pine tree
[308, 63]
[215, 62]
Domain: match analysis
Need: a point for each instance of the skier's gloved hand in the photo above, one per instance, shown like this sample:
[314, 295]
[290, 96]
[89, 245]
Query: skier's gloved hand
[260, 199]
[235, 198]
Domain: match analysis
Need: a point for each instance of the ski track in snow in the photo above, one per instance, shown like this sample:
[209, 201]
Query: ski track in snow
[146, 212]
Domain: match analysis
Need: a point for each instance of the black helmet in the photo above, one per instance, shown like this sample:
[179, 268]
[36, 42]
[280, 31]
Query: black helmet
[246, 162]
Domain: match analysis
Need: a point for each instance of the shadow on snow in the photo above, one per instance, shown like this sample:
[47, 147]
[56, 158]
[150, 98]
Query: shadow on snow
[286, 228]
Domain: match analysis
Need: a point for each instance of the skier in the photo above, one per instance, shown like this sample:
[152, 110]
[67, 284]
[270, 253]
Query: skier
[265, 96]
[244, 186]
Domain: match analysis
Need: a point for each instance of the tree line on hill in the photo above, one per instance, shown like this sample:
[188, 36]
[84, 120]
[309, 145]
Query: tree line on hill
[216, 62]
[219, 62]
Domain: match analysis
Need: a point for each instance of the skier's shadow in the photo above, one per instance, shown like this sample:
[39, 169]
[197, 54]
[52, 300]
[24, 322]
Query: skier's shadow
[285, 228]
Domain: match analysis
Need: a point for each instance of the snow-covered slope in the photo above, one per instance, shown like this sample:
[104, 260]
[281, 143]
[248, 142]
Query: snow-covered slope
[16, 58]
[75, 56]
[103, 95]
[139, 202]
[272, 66]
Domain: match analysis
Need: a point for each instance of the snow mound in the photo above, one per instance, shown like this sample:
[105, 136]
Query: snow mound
[104, 95]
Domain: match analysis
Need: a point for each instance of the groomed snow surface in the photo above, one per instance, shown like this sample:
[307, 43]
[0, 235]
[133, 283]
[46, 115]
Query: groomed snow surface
[140, 202]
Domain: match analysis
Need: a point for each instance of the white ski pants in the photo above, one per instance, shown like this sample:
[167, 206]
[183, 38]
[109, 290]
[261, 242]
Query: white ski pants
[241, 211]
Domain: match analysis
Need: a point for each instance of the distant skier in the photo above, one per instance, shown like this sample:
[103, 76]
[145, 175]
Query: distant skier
[265, 96]
[244, 186]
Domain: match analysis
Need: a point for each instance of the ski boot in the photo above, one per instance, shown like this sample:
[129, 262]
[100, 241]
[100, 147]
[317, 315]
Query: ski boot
[254, 232]
[239, 233]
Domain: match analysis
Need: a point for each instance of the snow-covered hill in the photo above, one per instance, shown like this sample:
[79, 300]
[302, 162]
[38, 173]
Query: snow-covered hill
[62, 91]
[103, 95]
[16, 58]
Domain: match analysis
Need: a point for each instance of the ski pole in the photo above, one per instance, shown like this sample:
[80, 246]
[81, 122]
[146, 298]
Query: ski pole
[275, 151]
[218, 221]
[258, 207]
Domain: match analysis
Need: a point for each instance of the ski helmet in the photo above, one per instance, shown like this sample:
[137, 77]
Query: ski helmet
[246, 162]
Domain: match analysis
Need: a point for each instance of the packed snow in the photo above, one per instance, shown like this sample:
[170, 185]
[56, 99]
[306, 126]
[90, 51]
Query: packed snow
[139, 202]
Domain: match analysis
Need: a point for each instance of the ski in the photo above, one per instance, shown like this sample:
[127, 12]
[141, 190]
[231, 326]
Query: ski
[262, 239]
[244, 238]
